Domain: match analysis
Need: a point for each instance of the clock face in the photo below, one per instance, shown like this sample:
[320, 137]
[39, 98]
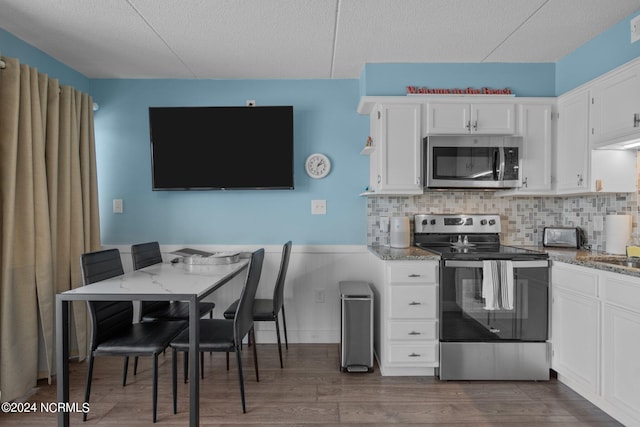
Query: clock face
[317, 165]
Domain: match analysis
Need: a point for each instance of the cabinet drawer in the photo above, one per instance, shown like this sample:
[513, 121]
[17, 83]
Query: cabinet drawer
[622, 291]
[577, 279]
[412, 301]
[414, 272]
[413, 353]
[414, 331]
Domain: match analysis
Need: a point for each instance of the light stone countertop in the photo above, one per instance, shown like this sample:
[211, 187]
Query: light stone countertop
[412, 253]
[583, 258]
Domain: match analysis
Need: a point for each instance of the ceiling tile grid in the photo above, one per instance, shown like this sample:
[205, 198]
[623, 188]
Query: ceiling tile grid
[300, 39]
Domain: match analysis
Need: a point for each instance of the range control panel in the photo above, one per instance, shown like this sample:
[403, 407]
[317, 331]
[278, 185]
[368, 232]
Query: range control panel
[457, 223]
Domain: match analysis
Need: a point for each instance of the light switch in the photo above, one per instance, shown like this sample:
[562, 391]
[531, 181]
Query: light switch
[318, 207]
[635, 29]
[117, 206]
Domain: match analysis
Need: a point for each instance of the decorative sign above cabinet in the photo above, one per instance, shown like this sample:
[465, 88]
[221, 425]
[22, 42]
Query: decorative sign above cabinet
[415, 90]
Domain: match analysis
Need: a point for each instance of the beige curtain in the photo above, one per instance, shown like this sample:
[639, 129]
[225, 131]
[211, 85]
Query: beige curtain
[48, 215]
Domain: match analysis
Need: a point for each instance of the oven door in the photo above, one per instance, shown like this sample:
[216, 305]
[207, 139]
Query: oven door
[471, 310]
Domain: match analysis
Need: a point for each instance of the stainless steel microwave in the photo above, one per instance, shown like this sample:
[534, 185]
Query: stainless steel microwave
[477, 162]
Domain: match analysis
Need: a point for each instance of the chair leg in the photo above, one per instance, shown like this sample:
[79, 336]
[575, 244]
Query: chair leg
[155, 387]
[227, 360]
[284, 325]
[125, 368]
[185, 364]
[279, 343]
[135, 365]
[239, 360]
[201, 365]
[174, 379]
[255, 352]
[87, 390]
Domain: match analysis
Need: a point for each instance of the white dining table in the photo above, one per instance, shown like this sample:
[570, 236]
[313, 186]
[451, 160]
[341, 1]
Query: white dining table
[159, 282]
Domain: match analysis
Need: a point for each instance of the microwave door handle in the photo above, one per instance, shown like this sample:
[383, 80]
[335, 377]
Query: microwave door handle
[502, 163]
[496, 171]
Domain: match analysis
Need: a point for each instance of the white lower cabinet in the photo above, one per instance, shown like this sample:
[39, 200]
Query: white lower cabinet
[595, 333]
[575, 327]
[406, 318]
[621, 346]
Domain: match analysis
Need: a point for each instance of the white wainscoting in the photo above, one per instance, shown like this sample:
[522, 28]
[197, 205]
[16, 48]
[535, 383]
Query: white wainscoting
[312, 269]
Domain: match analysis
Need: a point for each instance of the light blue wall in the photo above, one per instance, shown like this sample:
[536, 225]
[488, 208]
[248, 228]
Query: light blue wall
[522, 79]
[13, 47]
[325, 120]
[601, 54]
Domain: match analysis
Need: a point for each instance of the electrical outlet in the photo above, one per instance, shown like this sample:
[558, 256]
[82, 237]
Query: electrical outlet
[319, 295]
[384, 224]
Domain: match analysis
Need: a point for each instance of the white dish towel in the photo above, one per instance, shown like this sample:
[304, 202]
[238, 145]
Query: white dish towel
[497, 284]
[506, 285]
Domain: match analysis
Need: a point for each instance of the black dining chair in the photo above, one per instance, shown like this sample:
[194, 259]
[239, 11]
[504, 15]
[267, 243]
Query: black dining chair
[113, 332]
[144, 255]
[267, 310]
[226, 335]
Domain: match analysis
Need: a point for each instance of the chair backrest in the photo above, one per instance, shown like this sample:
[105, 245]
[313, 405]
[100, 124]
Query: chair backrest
[278, 290]
[145, 254]
[100, 265]
[243, 320]
[108, 318]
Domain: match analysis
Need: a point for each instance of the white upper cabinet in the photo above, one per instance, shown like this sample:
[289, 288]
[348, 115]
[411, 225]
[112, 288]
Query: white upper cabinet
[460, 118]
[396, 157]
[580, 169]
[615, 108]
[400, 160]
[535, 129]
[572, 145]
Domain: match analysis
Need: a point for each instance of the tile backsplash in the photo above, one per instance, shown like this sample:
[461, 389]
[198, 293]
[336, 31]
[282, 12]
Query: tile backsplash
[523, 218]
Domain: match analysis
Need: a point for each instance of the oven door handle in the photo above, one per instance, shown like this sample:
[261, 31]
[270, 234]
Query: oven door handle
[478, 264]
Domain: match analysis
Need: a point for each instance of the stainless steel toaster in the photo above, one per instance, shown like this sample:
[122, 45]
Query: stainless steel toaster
[562, 237]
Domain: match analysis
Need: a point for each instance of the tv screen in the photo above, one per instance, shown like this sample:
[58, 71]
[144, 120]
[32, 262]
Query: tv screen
[221, 148]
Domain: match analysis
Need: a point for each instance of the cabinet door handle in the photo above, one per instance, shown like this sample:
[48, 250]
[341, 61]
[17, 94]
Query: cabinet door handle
[414, 275]
[414, 333]
[415, 303]
[468, 125]
[414, 355]
[636, 120]
[475, 125]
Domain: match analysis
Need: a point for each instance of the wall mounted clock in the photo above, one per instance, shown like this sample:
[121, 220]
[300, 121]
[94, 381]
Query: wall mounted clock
[317, 165]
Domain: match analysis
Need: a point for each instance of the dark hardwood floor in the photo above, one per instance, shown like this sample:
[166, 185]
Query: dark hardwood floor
[311, 390]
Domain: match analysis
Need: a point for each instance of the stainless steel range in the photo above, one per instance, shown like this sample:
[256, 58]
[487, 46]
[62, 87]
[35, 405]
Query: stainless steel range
[494, 300]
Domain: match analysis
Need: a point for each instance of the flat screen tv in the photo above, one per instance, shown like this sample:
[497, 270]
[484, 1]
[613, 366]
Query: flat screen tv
[221, 148]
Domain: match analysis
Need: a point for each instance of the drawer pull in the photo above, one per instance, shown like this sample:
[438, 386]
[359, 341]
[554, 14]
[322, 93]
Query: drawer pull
[414, 355]
[415, 303]
[414, 275]
[414, 333]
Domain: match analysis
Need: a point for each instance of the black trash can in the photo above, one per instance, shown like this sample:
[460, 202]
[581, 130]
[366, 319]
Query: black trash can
[356, 327]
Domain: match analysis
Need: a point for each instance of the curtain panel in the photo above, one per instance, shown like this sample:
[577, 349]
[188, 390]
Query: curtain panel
[48, 217]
